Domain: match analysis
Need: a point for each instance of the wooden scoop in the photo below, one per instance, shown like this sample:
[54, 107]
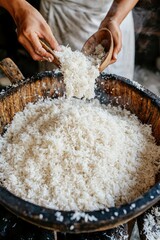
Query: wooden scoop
[48, 49]
[103, 37]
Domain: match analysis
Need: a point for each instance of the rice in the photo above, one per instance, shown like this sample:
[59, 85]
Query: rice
[79, 71]
[151, 227]
[70, 154]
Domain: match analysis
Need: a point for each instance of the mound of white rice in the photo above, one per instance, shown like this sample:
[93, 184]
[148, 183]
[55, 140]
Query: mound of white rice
[77, 155]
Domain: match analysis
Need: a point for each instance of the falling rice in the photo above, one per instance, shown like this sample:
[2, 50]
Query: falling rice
[79, 73]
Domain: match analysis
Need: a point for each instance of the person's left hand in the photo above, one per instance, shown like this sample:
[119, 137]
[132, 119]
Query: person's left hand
[114, 27]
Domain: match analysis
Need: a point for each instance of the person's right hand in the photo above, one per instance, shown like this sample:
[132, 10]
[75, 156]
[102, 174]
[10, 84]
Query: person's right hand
[31, 27]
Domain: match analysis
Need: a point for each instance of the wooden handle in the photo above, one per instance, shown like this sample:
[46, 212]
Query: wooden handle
[48, 49]
[10, 69]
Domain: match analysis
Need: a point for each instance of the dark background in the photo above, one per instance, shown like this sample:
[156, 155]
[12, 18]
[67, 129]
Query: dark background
[147, 35]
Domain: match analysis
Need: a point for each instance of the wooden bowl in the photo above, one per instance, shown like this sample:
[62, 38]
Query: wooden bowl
[110, 89]
[103, 37]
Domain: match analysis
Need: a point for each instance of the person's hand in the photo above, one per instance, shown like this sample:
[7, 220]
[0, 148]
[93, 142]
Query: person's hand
[31, 27]
[114, 27]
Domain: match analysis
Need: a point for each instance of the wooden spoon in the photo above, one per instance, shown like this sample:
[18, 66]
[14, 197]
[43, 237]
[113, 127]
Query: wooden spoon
[104, 38]
[56, 60]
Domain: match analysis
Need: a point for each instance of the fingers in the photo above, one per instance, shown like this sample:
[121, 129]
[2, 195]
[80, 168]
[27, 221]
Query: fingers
[30, 41]
[33, 46]
[113, 26]
[117, 38]
[26, 43]
[49, 38]
[112, 61]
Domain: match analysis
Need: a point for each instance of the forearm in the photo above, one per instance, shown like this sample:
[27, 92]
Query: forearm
[120, 9]
[14, 7]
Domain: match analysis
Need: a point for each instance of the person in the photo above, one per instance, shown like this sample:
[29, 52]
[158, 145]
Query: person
[71, 22]
[78, 20]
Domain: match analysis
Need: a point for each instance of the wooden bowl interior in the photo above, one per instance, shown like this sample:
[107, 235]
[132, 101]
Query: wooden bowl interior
[103, 37]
